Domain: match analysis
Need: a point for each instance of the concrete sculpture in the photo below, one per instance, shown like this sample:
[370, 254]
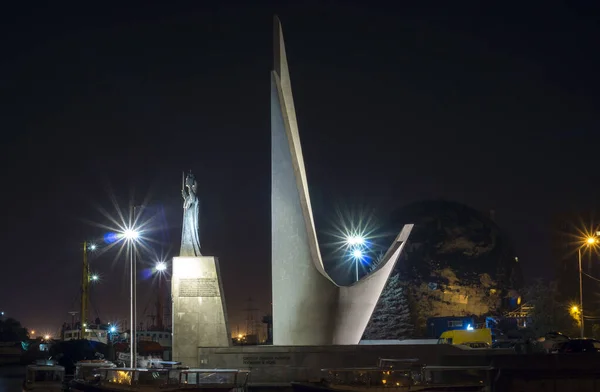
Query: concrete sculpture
[309, 308]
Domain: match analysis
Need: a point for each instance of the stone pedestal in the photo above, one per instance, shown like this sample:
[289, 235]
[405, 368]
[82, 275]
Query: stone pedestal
[199, 311]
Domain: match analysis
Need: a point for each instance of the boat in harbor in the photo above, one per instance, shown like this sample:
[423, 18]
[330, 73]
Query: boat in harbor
[114, 379]
[85, 372]
[44, 376]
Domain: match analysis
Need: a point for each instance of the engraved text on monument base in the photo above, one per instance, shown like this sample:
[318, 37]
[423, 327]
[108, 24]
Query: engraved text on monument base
[198, 287]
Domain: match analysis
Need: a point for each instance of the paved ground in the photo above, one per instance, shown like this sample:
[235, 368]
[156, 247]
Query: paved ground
[11, 378]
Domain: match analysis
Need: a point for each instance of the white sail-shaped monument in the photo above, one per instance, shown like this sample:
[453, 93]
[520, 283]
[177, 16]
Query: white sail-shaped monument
[309, 308]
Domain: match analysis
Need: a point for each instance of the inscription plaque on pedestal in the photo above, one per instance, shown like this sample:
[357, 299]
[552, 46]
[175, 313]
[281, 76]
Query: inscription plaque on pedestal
[199, 311]
[198, 287]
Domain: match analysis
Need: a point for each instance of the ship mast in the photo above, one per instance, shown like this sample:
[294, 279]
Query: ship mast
[85, 282]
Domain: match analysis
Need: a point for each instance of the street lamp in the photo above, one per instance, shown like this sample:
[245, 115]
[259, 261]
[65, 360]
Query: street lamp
[160, 268]
[356, 242]
[589, 241]
[131, 235]
[357, 255]
[574, 309]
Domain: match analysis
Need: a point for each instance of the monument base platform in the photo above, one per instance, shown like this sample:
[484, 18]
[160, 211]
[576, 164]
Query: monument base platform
[199, 312]
[280, 365]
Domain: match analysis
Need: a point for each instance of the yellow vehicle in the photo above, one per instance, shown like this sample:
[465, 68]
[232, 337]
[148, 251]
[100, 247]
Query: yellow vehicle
[462, 336]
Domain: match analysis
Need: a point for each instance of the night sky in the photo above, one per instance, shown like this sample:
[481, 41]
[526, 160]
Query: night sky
[495, 107]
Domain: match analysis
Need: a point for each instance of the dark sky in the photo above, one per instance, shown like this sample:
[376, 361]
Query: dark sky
[492, 106]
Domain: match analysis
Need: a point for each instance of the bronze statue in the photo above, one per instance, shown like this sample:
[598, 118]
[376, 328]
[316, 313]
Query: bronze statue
[190, 240]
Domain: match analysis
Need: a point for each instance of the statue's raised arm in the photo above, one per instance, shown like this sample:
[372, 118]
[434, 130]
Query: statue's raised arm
[190, 240]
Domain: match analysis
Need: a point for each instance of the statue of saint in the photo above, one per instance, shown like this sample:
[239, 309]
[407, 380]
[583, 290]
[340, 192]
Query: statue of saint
[190, 241]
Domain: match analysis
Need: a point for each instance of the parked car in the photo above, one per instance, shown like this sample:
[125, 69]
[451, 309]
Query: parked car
[579, 346]
[552, 340]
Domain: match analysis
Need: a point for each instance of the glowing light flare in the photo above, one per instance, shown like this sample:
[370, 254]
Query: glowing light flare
[590, 240]
[357, 254]
[47, 337]
[111, 238]
[131, 234]
[122, 377]
[575, 313]
[574, 308]
[92, 247]
[355, 240]
[94, 278]
[112, 329]
[161, 266]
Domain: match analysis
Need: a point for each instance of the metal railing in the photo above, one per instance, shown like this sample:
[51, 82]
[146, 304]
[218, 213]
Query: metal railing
[408, 374]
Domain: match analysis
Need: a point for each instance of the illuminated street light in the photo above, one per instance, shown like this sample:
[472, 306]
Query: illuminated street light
[113, 329]
[161, 266]
[590, 241]
[355, 240]
[574, 309]
[131, 234]
[357, 255]
[93, 247]
[94, 278]
[47, 337]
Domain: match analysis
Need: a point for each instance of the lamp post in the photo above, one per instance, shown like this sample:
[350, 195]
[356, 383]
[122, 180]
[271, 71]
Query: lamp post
[356, 242]
[589, 241]
[161, 267]
[131, 235]
[357, 255]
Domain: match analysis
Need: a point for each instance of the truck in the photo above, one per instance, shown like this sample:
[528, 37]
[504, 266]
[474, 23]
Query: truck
[461, 336]
[438, 325]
